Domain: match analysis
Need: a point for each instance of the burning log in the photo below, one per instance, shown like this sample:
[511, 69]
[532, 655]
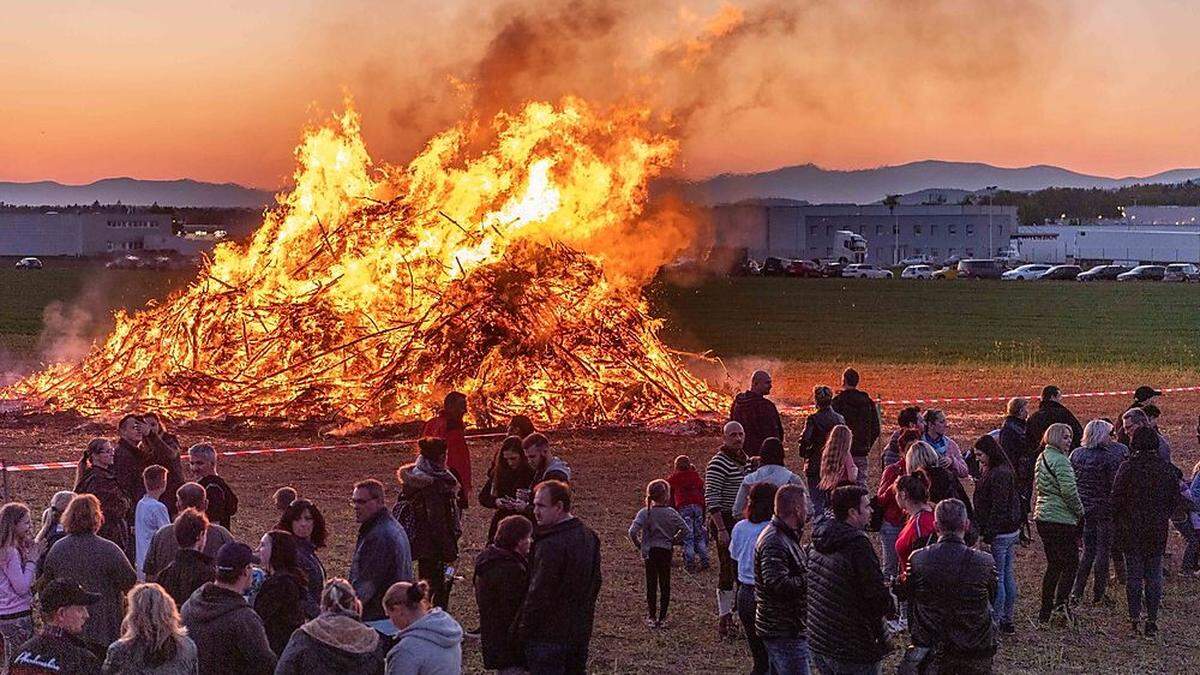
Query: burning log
[371, 290]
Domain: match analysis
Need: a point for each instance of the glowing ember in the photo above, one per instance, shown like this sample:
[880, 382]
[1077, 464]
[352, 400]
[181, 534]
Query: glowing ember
[513, 274]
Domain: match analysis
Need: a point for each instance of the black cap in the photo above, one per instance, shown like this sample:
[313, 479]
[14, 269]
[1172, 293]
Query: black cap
[234, 556]
[1145, 393]
[61, 593]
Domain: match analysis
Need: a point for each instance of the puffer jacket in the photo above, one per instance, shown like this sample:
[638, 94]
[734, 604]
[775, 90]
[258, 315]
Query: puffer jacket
[951, 587]
[1145, 493]
[780, 583]
[759, 419]
[435, 514]
[1095, 468]
[998, 507]
[861, 416]
[817, 427]
[847, 598]
[333, 642]
[1057, 494]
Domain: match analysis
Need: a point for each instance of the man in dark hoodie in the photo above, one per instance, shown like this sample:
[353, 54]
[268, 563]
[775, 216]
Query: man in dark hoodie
[847, 597]
[222, 501]
[756, 413]
[861, 416]
[555, 622]
[229, 635]
[1051, 411]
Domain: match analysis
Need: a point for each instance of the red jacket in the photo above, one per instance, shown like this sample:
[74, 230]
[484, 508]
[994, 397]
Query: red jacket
[687, 488]
[892, 513]
[458, 458]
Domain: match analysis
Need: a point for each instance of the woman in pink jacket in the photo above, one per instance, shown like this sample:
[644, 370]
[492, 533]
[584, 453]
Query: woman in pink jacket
[18, 566]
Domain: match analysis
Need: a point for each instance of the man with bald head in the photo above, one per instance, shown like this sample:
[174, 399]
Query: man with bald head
[722, 479]
[756, 413]
[163, 544]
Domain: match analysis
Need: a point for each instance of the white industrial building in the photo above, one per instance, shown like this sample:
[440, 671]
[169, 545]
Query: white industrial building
[1146, 234]
[87, 233]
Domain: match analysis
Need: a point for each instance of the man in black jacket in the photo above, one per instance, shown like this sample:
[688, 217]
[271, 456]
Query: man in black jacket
[222, 501]
[555, 622]
[816, 432]
[861, 416]
[1051, 411]
[951, 587]
[756, 413]
[847, 597]
[779, 583]
[59, 647]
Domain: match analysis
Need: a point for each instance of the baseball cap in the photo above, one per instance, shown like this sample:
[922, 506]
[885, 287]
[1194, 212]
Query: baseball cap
[61, 593]
[234, 556]
[1145, 393]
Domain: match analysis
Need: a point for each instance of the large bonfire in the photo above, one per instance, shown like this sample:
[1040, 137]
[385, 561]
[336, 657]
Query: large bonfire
[512, 273]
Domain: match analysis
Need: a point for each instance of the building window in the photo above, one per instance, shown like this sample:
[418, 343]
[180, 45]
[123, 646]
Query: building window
[812, 230]
[917, 250]
[933, 252]
[953, 229]
[970, 230]
[970, 253]
[828, 230]
[917, 228]
[878, 229]
[951, 251]
[933, 230]
[828, 250]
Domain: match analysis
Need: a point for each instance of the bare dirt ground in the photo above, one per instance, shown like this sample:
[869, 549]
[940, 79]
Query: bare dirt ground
[611, 468]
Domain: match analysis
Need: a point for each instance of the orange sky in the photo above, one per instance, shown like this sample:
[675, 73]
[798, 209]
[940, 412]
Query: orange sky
[221, 91]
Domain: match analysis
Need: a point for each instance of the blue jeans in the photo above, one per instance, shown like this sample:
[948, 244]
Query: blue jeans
[788, 656]
[888, 534]
[549, 658]
[827, 666]
[1097, 542]
[1143, 571]
[816, 498]
[695, 538]
[1004, 547]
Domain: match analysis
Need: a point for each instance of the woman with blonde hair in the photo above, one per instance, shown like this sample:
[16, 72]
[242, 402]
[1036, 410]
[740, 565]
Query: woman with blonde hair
[894, 516]
[336, 641]
[1095, 463]
[837, 466]
[153, 640]
[1057, 512]
[429, 640]
[95, 563]
[18, 567]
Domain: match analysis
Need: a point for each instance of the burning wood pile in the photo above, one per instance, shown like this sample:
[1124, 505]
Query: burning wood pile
[512, 273]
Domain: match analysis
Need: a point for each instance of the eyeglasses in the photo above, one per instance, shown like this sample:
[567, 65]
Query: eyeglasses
[361, 501]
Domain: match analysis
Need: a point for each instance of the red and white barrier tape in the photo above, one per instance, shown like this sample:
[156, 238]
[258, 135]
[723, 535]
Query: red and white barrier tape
[49, 466]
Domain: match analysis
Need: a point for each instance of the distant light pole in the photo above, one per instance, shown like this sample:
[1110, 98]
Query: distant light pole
[991, 244]
[891, 202]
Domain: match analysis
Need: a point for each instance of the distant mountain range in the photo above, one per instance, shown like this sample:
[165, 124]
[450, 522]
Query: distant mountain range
[863, 186]
[917, 181]
[135, 192]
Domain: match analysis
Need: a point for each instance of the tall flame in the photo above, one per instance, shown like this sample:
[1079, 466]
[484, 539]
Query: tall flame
[513, 274]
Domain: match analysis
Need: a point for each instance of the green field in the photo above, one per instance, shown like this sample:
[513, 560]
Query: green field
[960, 321]
[822, 320]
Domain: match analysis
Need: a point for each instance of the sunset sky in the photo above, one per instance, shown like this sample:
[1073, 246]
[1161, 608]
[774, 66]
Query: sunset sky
[221, 91]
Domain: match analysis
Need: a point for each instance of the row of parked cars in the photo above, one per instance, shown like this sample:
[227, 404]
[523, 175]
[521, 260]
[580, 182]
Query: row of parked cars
[1173, 272]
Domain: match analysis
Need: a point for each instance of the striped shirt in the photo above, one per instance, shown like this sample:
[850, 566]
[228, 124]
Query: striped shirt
[722, 479]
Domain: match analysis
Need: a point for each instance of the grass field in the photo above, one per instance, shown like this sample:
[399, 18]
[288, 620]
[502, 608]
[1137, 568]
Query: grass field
[960, 321]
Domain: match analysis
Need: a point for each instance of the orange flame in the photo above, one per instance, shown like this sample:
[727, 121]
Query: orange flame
[513, 275]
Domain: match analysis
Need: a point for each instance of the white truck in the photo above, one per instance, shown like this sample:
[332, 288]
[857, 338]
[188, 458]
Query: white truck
[849, 248]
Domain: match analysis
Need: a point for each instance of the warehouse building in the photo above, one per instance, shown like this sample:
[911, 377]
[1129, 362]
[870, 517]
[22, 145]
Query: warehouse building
[27, 232]
[797, 230]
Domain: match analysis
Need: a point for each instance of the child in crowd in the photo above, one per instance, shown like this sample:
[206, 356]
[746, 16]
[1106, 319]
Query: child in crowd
[52, 529]
[284, 497]
[687, 493]
[151, 514]
[655, 530]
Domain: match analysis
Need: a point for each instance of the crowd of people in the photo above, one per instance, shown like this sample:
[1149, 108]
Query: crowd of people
[135, 569]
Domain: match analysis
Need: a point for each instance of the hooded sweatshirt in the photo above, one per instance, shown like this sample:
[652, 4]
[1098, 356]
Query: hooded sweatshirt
[431, 645]
[228, 634]
[332, 643]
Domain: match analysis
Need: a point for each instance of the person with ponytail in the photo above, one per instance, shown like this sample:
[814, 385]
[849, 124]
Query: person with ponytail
[336, 641]
[52, 529]
[18, 567]
[429, 641]
[428, 510]
[95, 476]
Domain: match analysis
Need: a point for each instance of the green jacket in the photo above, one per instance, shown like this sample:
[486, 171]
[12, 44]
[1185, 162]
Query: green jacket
[1057, 497]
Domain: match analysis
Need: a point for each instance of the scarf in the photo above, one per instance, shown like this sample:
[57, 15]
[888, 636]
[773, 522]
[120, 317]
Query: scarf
[427, 468]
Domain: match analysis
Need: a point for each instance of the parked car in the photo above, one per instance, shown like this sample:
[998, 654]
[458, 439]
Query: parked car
[774, 267]
[1102, 273]
[832, 269]
[947, 272]
[919, 259]
[952, 261]
[864, 271]
[1182, 272]
[917, 272]
[29, 264]
[127, 262]
[1026, 272]
[1144, 273]
[980, 268]
[1061, 273]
